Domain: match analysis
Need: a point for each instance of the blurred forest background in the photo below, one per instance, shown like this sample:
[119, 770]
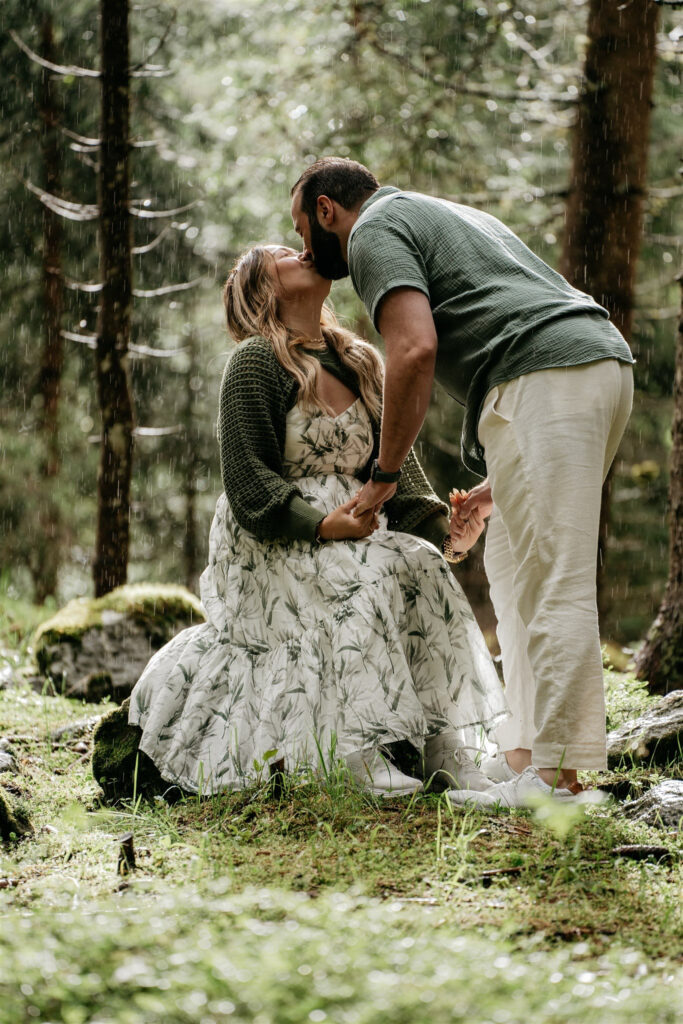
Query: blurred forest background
[473, 100]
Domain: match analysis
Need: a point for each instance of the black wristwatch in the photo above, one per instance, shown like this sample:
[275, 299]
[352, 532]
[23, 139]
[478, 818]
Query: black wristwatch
[379, 476]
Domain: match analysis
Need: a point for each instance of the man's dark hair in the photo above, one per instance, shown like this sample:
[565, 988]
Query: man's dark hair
[346, 181]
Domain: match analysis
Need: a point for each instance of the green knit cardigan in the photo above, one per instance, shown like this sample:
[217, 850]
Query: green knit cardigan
[256, 395]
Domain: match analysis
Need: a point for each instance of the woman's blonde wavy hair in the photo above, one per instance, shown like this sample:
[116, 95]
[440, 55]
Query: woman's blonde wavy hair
[251, 308]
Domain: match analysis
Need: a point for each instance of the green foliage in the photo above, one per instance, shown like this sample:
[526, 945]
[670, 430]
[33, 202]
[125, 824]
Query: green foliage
[270, 956]
[18, 619]
[625, 697]
[473, 101]
[285, 903]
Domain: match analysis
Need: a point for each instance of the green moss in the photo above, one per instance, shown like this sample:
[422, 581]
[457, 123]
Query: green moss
[625, 697]
[215, 956]
[153, 605]
[118, 765]
[14, 820]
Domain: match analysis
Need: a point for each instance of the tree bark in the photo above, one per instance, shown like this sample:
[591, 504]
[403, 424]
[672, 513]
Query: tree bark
[52, 359]
[660, 660]
[113, 388]
[608, 178]
[190, 545]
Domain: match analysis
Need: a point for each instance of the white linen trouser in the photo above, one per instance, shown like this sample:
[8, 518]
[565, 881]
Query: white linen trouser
[550, 438]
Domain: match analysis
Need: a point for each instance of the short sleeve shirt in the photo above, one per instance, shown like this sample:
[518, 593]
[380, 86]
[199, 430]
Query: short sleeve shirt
[499, 310]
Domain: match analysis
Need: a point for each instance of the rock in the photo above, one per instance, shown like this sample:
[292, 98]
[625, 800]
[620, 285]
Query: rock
[97, 648]
[7, 762]
[14, 674]
[7, 677]
[656, 736]
[661, 806]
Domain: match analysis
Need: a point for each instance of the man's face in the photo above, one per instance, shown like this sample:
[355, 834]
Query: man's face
[322, 246]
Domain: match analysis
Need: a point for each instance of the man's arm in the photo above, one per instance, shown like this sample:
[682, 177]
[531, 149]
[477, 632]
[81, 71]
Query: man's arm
[407, 327]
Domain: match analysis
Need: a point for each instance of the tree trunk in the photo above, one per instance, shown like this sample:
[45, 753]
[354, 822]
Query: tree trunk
[660, 660]
[52, 359]
[608, 178]
[116, 406]
[190, 546]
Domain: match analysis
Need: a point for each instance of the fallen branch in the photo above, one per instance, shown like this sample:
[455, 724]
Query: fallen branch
[643, 852]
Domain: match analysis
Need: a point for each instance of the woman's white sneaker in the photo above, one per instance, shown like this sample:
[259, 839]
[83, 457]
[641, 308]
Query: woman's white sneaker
[375, 774]
[445, 761]
[496, 767]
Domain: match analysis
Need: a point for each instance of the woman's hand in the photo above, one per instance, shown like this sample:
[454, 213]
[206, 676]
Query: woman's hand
[341, 524]
[373, 495]
[480, 498]
[466, 526]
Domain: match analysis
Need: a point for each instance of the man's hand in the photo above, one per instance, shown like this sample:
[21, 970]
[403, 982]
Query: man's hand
[478, 498]
[372, 496]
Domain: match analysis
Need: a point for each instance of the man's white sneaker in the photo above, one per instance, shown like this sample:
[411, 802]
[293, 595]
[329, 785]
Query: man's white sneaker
[446, 762]
[496, 767]
[375, 774]
[523, 791]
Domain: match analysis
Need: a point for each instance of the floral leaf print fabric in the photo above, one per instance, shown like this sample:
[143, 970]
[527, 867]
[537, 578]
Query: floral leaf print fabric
[309, 648]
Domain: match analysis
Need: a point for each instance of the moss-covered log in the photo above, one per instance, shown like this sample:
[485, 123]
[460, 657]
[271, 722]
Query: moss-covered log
[119, 766]
[14, 820]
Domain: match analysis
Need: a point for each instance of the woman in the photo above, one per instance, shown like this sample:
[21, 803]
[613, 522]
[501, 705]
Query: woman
[326, 634]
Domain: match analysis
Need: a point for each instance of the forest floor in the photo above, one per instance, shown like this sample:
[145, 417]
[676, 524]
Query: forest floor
[317, 903]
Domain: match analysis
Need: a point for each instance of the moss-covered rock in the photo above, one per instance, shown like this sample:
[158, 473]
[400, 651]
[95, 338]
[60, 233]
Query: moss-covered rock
[97, 647]
[654, 737]
[14, 819]
[118, 764]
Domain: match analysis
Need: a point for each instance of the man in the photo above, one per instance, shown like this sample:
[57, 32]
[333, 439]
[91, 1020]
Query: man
[547, 386]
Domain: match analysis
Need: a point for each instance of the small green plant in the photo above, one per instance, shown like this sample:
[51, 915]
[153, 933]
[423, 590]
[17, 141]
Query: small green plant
[625, 697]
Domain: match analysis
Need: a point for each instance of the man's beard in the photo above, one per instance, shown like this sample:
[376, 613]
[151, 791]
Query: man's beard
[327, 253]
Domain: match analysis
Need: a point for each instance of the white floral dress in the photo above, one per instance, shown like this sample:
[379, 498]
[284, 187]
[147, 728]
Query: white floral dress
[314, 648]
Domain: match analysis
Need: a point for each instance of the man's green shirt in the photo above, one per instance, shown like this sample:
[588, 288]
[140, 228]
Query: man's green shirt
[500, 311]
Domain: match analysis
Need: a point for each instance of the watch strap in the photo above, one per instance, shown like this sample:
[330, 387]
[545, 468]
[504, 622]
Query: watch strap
[381, 476]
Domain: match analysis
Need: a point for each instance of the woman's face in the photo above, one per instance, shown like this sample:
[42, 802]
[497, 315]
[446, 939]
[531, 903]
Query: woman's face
[295, 276]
